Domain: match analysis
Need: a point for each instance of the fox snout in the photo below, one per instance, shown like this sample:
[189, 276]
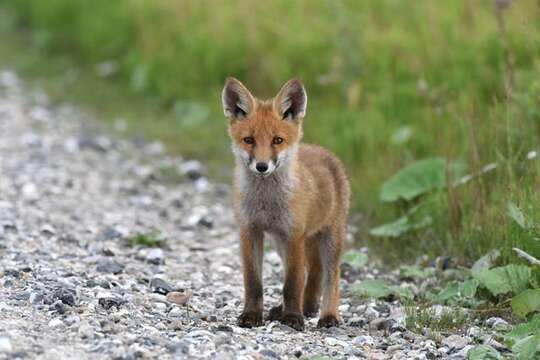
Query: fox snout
[262, 167]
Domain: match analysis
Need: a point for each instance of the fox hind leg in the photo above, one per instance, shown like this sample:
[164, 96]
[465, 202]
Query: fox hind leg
[312, 293]
[330, 247]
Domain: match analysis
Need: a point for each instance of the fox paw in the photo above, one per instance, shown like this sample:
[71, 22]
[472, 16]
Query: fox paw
[296, 321]
[250, 319]
[275, 313]
[328, 321]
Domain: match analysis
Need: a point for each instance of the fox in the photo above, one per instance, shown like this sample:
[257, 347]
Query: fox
[294, 194]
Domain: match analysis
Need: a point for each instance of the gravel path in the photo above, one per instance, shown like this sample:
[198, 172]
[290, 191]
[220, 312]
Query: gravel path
[73, 287]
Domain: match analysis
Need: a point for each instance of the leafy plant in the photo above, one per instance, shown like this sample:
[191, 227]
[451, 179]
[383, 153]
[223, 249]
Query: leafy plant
[150, 239]
[515, 213]
[355, 258]
[526, 302]
[461, 293]
[524, 339]
[376, 288]
[506, 279]
[483, 352]
[418, 178]
[414, 272]
[401, 226]
[486, 261]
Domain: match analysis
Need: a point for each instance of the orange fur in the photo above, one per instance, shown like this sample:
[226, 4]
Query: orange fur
[301, 200]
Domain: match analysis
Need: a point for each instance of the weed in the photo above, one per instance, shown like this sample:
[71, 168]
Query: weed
[150, 239]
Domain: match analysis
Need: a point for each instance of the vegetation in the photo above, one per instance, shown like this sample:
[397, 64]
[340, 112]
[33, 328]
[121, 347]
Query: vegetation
[440, 302]
[443, 95]
[151, 239]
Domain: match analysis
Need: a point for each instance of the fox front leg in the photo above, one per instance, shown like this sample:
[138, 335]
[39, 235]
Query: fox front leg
[251, 247]
[293, 289]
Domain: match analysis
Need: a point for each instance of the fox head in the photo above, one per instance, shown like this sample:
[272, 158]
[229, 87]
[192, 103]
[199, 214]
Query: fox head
[265, 134]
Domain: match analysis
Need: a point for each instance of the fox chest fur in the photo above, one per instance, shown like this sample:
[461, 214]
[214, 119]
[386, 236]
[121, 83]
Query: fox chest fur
[264, 202]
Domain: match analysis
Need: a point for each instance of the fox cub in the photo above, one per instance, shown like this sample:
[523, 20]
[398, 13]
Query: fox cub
[296, 194]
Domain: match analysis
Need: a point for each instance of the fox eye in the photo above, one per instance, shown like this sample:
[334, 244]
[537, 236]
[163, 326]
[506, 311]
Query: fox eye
[277, 140]
[249, 140]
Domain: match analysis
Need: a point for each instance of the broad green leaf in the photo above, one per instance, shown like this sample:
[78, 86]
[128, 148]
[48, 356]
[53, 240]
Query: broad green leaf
[486, 261]
[393, 229]
[450, 291]
[468, 288]
[526, 302]
[527, 348]
[373, 288]
[535, 277]
[515, 213]
[419, 178]
[400, 226]
[523, 330]
[457, 292]
[483, 352]
[504, 279]
[355, 258]
[403, 292]
[408, 271]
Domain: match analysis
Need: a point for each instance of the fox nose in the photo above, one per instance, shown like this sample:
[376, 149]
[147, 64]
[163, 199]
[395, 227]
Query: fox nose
[261, 167]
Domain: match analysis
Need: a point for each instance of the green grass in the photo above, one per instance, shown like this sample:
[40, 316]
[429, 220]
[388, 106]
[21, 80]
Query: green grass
[151, 239]
[389, 83]
[419, 319]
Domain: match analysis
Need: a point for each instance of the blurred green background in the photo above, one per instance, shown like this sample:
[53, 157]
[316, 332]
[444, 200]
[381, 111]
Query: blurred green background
[390, 83]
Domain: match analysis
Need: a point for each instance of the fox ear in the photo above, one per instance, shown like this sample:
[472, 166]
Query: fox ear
[291, 101]
[236, 98]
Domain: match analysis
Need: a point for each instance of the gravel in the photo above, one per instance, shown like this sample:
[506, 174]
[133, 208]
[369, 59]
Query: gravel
[71, 286]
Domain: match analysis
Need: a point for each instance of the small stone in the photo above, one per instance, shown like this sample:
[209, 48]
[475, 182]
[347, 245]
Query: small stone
[85, 330]
[155, 256]
[5, 345]
[175, 312]
[54, 323]
[496, 323]
[335, 342]
[462, 354]
[59, 307]
[108, 300]
[48, 230]
[109, 233]
[160, 286]
[178, 298]
[205, 221]
[24, 295]
[381, 324]
[354, 351]
[35, 298]
[455, 342]
[267, 353]
[192, 169]
[363, 340]
[67, 296]
[474, 331]
[30, 192]
[159, 306]
[109, 266]
[495, 344]
[224, 328]
[356, 321]
[371, 314]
